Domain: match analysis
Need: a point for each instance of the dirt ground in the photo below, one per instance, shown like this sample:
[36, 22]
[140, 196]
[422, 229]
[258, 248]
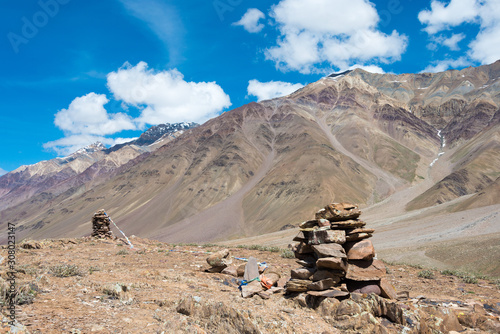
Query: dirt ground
[153, 278]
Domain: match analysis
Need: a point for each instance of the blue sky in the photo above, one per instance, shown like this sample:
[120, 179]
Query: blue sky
[73, 72]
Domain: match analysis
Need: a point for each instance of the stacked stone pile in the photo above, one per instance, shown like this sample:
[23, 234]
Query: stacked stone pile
[100, 225]
[337, 256]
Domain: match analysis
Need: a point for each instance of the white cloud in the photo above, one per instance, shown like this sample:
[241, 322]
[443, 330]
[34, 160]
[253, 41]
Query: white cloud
[368, 68]
[86, 121]
[165, 96]
[319, 33]
[3, 172]
[70, 144]
[443, 16]
[271, 89]
[485, 47]
[250, 20]
[164, 21]
[443, 65]
[452, 42]
[86, 115]
[162, 97]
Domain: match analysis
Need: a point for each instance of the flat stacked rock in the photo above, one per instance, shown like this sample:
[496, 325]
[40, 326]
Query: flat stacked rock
[100, 225]
[337, 257]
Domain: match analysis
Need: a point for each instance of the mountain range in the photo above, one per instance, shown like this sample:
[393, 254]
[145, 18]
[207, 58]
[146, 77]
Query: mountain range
[398, 145]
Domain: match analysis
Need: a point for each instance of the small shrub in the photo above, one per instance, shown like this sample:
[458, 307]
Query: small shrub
[23, 294]
[66, 270]
[287, 254]
[26, 269]
[448, 272]
[416, 266]
[469, 279]
[93, 269]
[426, 274]
[209, 245]
[122, 252]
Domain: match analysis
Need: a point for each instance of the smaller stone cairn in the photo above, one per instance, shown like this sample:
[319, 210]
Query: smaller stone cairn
[100, 225]
[337, 256]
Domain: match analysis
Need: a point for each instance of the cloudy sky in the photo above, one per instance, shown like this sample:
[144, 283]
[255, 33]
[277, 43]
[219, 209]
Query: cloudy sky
[73, 72]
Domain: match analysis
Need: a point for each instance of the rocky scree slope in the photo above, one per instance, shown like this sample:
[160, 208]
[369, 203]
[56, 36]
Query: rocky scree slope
[357, 137]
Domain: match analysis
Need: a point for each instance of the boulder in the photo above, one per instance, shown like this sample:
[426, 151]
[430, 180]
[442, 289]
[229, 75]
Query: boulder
[329, 293]
[329, 250]
[231, 270]
[357, 236]
[323, 223]
[251, 269]
[309, 224]
[251, 289]
[309, 262]
[295, 285]
[241, 270]
[321, 285]
[347, 224]
[331, 263]
[220, 259]
[320, 275]
[360, 270]
[359, 230]
[365, 287]
[302, 273]
[338, 212]
[324, 236]
[273, 277]
[360, 250]
[387, 290]
[303, 248]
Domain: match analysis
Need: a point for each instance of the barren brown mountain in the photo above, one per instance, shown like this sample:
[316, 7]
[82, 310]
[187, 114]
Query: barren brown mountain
[419, 152]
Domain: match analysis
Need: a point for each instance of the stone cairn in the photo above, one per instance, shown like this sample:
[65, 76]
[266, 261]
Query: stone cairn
[100, 225]
[337, 256]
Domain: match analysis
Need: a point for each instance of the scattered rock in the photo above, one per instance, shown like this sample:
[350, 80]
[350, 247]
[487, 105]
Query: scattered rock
[329, 293]
[231, 270]
[220, 259]
[359, 270]
[387, 290]
[334, 263]
[295, 285]
[302, 273]
[329, 250]
[250, 289]
[326, 236]
[322, 285]
[251, 270]
[361, 250]
[320, 275]
[365, 287]
[339, 212]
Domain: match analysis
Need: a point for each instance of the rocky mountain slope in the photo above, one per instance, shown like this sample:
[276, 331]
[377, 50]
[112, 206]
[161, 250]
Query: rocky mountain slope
[84, 168]
[391, 142]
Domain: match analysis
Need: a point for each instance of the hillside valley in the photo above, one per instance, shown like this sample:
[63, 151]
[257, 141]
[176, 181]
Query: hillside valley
[418, 152]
